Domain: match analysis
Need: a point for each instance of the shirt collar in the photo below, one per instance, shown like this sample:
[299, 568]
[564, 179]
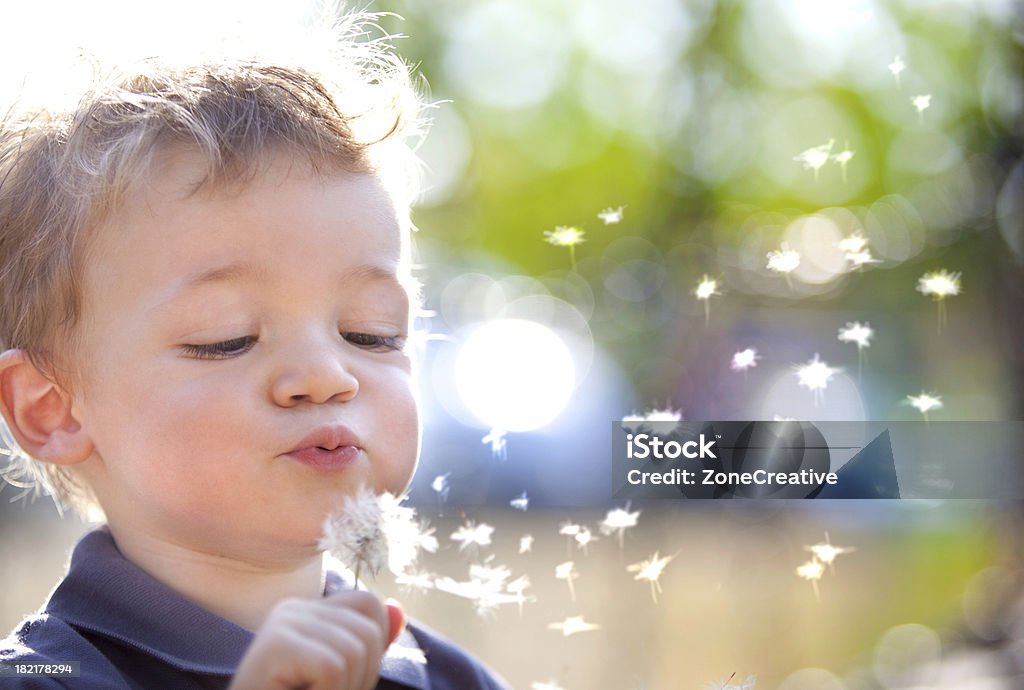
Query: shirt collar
[107, 594]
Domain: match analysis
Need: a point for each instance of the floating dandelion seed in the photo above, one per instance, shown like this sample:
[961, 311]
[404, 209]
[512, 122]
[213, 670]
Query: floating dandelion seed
[573, 625]
[635, 422]
[924, 403]
[812, 571]
[851, 244]
[826, 552]
[815, 375]
[816, 157]
[783, 261]
[472, 534]
[520, 502]
[419, 581]
[518, 587]
[897, 67]
[843, 158]
[567, 571]
[706, 289]
[611, 216]
[492, 575]
[355, 534]
[565, 236]
[860, 333]
[747, 683]
[861, 258]
[584, 538]
[525, 543]
[744, 359]
[483, 589]
[550, 685]
[619, 520]
[940, 285]
[496, 438]
[441, 486]
[921, 103]
[651, 571]
[406, 536]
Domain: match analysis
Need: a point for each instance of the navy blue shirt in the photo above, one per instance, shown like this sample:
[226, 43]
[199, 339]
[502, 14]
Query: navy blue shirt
[128, 630]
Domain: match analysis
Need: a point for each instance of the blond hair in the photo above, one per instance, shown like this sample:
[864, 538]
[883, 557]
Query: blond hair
[63, 170]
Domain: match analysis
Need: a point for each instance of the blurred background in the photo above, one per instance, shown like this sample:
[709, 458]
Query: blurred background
[673, 208]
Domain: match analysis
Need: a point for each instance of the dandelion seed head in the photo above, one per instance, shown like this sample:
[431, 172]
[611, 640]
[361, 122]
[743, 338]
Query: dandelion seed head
[783, 260]
[611, 216]
[815, 157]
[897, 66]
[564, 236]
[569, 529]
[707, 288]
[355, 534]
[925, 402]
[406, 536]
[940, 284]
[526, 543]
[744, 359]
[573, 625]
[857, 332]
[815, 374]
[922, 102]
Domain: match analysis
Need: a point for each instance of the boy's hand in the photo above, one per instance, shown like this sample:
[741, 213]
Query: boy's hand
[336, 643]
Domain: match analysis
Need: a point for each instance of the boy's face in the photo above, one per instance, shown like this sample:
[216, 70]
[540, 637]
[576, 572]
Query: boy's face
[221, 331]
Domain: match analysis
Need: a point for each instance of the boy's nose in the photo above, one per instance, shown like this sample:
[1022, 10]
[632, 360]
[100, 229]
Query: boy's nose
[313, 375]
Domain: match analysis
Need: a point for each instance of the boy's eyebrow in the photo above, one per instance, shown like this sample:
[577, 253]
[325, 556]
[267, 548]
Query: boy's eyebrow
[245, 270]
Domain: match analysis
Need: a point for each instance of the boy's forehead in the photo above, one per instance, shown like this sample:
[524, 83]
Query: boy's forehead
[176, 208]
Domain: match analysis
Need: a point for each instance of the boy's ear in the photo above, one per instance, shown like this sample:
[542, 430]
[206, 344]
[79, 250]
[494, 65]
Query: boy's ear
[38, 412]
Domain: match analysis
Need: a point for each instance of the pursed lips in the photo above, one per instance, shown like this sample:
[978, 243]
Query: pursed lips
[328, 448]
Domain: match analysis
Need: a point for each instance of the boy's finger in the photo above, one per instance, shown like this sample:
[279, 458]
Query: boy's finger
[366, 603]
[396, 620]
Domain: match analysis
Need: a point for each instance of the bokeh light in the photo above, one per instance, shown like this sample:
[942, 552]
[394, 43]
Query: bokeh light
[514, 375]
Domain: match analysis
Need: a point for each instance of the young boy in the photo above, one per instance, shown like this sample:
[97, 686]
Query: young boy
[205, 303]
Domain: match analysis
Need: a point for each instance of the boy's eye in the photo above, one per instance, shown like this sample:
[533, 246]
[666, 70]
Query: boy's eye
[376, 343]
[221, 350]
